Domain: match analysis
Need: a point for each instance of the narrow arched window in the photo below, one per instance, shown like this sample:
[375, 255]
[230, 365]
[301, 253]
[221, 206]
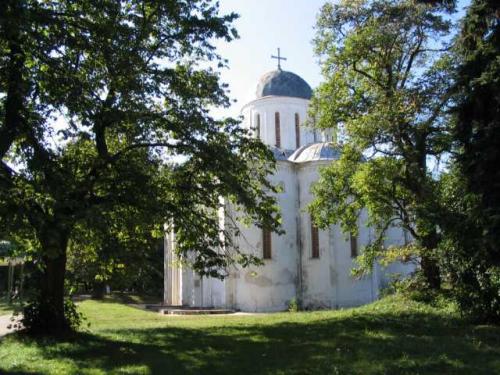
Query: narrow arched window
[266, 244]
[277, 129]
[257, 125]
[297, 130]
[406, 237]
[314, 240]
[354, 245]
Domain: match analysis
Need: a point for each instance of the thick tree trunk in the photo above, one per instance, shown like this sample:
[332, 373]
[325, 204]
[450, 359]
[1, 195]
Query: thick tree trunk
[50, 317]
[424, 196]
[431, 272]
[429, 265]
[98, 290]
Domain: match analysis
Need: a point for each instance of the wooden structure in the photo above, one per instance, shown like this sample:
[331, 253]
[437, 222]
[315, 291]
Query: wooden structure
[12, 263]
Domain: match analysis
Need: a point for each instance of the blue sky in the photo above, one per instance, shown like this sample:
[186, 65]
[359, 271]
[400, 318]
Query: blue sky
[263, 26]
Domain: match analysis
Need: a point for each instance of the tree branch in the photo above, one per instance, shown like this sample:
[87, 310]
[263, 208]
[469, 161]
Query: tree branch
[367, 75]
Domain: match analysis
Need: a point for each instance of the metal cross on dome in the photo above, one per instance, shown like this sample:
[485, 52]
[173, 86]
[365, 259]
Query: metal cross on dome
[278, 58]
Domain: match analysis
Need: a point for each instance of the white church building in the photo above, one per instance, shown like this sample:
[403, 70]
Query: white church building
[305, 264]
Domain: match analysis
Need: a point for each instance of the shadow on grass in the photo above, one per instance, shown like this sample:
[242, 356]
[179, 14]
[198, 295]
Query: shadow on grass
[364, 344]
[121, 297]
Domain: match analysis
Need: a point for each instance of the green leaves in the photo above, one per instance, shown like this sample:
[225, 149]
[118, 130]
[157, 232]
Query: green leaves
[105, 133]
[386, 73]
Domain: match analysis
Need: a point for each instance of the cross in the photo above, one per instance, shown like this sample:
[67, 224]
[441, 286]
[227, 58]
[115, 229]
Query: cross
[278, 58]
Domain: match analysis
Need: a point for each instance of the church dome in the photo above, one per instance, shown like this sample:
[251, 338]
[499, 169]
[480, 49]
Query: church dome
[280, 154]
[315, 152]
[282, 83]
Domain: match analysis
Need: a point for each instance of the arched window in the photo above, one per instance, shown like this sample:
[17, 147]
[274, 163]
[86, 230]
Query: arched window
[266, 244]
[257, 125]
[314, 240]
[354, 245]
[297, 130]
[277, 129]
[406, 237]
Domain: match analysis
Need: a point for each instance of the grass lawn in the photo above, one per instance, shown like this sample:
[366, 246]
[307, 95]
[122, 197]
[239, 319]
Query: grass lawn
[5, 307]
[391, 336]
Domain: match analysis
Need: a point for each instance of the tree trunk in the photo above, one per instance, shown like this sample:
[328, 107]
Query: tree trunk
[428, 263]
[424, 196]
[431, 272]
[50, 317]
[98, 289]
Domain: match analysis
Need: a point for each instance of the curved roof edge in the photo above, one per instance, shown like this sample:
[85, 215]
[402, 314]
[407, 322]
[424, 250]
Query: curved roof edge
[322, 151]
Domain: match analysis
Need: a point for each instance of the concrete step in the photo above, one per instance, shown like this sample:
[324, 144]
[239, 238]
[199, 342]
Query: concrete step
[193, 311]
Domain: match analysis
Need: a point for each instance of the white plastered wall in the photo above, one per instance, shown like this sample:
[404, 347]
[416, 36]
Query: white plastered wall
[287, 107]
[269, 287]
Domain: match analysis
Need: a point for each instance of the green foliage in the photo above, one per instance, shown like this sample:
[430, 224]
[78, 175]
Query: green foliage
[105, 130]
[466, 254]
[386, 72]
[122, 246]
[36, 318]
[414, 287]
[5, 249]
[472, 249]
[293, 305]
[377, 252]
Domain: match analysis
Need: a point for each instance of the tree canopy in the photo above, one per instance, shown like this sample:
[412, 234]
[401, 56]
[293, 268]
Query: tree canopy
[104, 117]
[472, 247]
[386, 74]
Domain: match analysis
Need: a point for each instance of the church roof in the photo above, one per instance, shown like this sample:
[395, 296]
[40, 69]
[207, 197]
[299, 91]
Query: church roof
[315, 152]
[280, 154]
[282, 83]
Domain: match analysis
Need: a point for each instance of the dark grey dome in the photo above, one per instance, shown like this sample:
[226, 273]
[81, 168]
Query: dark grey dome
[281, 83]
[315, 152]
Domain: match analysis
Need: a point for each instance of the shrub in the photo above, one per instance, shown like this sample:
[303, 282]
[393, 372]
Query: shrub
[36, 319]
[293, 305]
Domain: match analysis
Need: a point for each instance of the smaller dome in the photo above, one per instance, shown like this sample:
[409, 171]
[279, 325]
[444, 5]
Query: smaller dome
[315, 152]
[280, 154]
[282, 83]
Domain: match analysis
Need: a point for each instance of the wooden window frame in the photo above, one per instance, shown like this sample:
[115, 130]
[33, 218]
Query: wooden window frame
[277, 129]
[354, 244]
[314, 241]
[257, 125]
[267, 244]
[406, 237]
[297, 130]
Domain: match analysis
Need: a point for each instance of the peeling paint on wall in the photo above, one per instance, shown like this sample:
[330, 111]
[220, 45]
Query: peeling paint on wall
[259, 280]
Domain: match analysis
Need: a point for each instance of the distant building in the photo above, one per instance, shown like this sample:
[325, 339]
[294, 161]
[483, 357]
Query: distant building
[309, 265]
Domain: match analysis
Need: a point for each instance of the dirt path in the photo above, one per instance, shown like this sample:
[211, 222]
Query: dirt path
[5, 321]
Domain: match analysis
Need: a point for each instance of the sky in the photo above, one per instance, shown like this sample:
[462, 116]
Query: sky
[263, 26]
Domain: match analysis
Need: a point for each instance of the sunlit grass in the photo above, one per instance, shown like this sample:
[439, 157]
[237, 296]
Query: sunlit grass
[392, 336]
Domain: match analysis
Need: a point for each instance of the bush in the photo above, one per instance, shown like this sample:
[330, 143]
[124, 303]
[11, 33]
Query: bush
[293, 305]
[477, 292]
[37, 320]
[414, 287]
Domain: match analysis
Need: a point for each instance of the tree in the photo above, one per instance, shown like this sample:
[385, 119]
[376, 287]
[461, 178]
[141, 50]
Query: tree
[473, 238]
[121, 246]
[91, 91]
[386, 69]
